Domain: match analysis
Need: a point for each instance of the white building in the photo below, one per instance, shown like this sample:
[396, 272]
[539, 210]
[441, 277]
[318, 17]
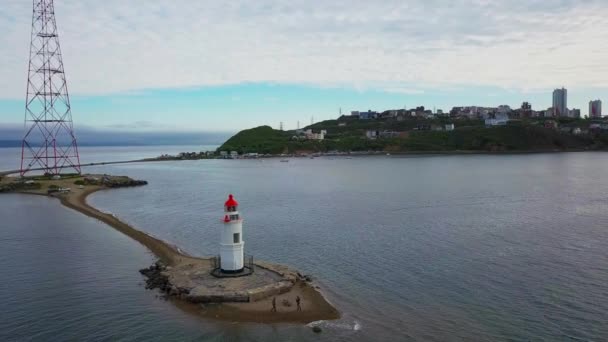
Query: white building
[595, 109]
[503, 109]
[449, 127]
[315, 136]
[560, 102]
[231, 243]
[498, 120]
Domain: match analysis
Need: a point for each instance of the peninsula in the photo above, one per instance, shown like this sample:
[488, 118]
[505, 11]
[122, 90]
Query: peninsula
[186, 279]
[422, 135]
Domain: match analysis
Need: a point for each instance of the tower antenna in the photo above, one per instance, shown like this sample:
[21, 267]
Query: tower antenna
[48, 142]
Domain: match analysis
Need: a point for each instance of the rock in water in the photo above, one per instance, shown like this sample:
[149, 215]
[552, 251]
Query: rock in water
[317, 329]
[155, 278]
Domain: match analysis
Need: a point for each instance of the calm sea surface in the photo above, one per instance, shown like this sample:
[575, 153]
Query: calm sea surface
[511, 247]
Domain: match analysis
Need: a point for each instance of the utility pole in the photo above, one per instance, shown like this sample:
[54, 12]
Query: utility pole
[281, 126]
[48, 142]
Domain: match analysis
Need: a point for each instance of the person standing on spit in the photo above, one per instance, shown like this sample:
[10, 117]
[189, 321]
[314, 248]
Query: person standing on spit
[274, 304]
[298, 302]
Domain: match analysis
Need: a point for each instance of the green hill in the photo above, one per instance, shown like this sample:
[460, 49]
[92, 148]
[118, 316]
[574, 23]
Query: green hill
[470, 135]
[261, 139]
[504, 138]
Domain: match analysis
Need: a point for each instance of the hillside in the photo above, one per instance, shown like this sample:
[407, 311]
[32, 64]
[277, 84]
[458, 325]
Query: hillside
[470, 135]
[261, 139]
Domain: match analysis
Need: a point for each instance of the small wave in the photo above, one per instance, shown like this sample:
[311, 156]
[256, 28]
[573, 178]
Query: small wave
[355, 326]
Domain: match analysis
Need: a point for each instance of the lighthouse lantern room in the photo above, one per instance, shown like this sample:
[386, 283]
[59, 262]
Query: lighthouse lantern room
[231, 243]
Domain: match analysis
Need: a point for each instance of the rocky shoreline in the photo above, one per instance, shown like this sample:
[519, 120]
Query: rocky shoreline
[42, 184]
[112, 181]
[190, 282]
[155, 279]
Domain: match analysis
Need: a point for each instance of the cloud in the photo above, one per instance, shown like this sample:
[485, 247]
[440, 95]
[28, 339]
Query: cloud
[405, 91]
[12, 134]
[119, 46]
[136, 125]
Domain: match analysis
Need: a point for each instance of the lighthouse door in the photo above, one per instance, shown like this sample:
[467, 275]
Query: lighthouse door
[236, 237]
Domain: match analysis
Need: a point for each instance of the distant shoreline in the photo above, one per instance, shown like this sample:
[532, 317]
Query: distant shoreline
[453, 152]
[337, 154]
[397, 153]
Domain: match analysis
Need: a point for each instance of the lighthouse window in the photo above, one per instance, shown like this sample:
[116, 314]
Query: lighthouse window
[234, 217]
[236, 237]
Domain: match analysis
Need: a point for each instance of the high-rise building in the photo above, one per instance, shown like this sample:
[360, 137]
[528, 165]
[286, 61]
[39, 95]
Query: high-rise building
[595, 109]
[560, 102]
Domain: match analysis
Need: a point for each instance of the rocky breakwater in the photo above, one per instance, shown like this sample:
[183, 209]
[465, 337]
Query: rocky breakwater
[191, 280]
[65, 185]
[111, 181]
[19, 186]
[156, 279]
[271, 294]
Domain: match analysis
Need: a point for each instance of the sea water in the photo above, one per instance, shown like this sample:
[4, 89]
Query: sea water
[481, 247]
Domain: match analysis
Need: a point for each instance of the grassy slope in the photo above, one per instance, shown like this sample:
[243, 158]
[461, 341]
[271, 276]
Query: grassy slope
[470, 135]
[261, 139]
[506, 138]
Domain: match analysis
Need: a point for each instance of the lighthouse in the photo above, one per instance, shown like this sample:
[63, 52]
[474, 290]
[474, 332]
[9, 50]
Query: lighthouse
[231, 243]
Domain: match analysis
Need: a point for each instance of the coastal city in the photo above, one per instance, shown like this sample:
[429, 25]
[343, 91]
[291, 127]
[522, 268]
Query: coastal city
[495, 115]
[460, 130]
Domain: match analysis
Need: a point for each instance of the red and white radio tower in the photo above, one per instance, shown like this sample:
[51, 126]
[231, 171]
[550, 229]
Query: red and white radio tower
[49, 143]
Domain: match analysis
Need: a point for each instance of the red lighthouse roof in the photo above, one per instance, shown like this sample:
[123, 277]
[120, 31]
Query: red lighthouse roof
[231, 202]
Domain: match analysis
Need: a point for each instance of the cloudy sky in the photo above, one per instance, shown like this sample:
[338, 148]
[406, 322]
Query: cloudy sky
[227, 65]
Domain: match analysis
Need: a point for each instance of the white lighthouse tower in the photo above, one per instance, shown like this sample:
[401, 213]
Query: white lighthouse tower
[231, 243]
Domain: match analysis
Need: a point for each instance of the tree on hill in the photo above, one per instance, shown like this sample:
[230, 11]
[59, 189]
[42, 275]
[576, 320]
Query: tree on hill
[262, 139]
